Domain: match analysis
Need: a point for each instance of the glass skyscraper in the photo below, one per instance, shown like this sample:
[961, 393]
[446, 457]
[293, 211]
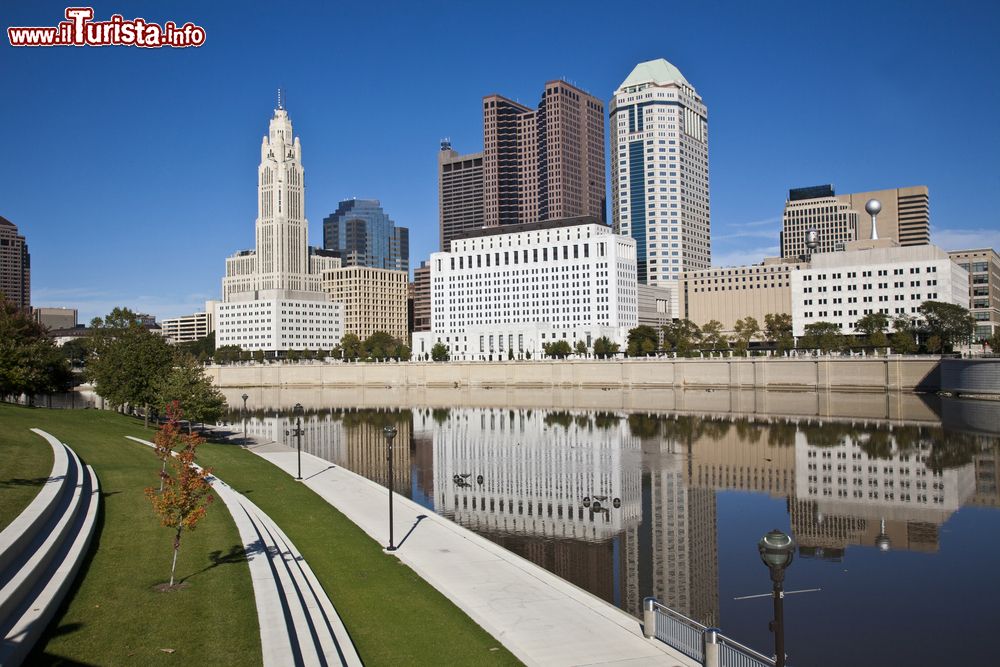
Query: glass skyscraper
[362, 234]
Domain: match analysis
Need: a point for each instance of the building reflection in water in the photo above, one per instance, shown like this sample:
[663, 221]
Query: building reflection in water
[624, 505]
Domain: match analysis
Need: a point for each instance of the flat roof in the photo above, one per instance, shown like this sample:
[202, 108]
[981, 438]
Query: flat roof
[532, 227]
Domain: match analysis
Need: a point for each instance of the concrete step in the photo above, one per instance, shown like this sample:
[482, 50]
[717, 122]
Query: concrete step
[36, 581]
[25, 527]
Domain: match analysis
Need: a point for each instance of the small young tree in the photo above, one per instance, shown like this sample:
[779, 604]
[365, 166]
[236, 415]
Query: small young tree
[580, 348]
[559, 349]
[439, 352]
[711, 336]
[186, 493]
[746, 329]
[604, 348]
[187, 386]
[902, 340]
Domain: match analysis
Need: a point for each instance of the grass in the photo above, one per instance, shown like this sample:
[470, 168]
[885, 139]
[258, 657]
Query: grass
[393, 616]
[25, 464]
[112, 615]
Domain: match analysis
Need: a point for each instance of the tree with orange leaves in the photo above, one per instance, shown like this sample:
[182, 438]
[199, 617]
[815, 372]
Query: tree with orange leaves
[185, 492]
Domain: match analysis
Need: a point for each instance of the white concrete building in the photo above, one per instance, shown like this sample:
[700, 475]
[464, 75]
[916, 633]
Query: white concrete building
[659, 171]
[187, 328]
[842, 287]
[509, 290]
[271, 298]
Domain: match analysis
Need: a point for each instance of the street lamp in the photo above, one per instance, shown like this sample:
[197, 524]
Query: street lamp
[245, 397]
[390, 434]
[297, 410]
[776, 551]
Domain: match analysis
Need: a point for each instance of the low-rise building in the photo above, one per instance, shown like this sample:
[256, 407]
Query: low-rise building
[507, 291]
[842, 287]
[728, 294]
[983, 265]
[659, 305]
[56, 318]
[187, 328]
[373, 299]
[278, 320]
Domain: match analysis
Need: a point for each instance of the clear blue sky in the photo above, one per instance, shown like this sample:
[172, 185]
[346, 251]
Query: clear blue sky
[133, 172]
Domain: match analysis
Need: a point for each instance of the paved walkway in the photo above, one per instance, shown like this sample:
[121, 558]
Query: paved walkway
[541, 618]
[298, 623]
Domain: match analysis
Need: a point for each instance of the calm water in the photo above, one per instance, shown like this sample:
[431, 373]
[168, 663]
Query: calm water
[896, 516]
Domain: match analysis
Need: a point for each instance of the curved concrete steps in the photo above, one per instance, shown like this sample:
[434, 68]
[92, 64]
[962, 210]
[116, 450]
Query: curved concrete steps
[298, 623]
[42, 549]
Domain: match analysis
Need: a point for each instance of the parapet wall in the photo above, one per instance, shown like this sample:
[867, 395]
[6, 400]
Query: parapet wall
[849, 374]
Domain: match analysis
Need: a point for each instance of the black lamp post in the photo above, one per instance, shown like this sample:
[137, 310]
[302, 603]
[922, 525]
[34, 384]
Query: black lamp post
[390, 434]
[776, 551]
[297, 410]
[245, 397]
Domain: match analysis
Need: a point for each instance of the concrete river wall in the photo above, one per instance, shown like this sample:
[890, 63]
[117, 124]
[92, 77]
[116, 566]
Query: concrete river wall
[869, 374]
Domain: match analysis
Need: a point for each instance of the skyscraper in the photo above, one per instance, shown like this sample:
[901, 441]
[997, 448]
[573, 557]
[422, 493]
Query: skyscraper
[545, 163]
[271, 298]
[659, 163]
[363, 234]
[460, 193]
[15, 265]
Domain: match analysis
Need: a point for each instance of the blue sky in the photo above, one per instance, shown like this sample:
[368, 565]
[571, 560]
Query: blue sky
[132, 172]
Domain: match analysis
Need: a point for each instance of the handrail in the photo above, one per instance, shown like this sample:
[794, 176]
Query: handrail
[673, 612]
[743, 647]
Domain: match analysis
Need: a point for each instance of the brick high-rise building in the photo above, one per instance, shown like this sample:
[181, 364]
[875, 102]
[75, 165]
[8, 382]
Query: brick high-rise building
[460, 193]
[422, 297]
[15, 265]
[545, 163]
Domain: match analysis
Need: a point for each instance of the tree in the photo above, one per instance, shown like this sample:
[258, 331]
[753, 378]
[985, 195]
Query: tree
[30, 363]
[128, 360]
[559, 349]
[604, 348]
[510, 354]
[439, 352]
[351, 347]
[902, 340]
[580, 348]
[951, 323]
[681, 336]
[711, 336]
[642, 341]
[746, 329]
[873, 327]
[76, 352]
[258, 356]
[825, 336]
[186, 492]
[994, 341]
[166, 438]
[227, 354]
[202, 348]
[188, 388]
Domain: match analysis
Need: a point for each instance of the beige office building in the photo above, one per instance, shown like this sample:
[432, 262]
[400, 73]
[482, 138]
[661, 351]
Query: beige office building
[460, 193]
[545, 163]
[189, 328]
[373, 299]
[983, 266]
[56, 318]
[732, 293]
[840, 219]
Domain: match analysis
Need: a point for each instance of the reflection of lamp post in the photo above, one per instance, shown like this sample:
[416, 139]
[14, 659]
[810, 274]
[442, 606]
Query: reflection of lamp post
[776, 551]
[882, 540]
[245, 397]
[390, 434]
[298, 435]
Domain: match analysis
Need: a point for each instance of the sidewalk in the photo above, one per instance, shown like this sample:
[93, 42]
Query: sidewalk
[539, 617]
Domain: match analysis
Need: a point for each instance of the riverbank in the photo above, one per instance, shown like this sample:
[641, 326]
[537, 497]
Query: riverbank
[854, 374]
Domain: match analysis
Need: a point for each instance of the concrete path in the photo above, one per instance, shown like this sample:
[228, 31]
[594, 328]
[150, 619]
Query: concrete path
[298, 623]
[541, 618]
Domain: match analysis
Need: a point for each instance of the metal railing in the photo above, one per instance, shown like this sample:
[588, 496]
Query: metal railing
[706, 645]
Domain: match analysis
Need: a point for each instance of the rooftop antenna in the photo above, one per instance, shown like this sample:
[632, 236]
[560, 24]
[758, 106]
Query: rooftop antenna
[280, 94]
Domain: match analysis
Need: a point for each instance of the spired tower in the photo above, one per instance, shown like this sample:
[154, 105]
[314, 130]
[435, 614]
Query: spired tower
[282, 274]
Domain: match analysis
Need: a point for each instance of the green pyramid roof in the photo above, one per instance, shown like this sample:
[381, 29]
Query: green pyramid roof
[653, 71]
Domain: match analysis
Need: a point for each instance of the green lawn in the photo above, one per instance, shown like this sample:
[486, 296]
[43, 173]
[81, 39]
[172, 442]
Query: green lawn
[25, 464]
[113, 616]
[394, 616]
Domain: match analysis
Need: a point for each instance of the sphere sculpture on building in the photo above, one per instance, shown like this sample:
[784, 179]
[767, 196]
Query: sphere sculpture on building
[872, 207]
[812, 239]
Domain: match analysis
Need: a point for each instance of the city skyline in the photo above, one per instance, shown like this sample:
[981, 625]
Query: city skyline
[771, 130]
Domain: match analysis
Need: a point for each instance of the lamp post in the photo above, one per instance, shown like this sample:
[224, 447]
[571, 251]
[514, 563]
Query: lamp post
[245, 397]
[390, 434]
[776, 551]
[297, 410]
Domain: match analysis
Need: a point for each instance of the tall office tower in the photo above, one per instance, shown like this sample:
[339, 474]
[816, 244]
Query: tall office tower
[659, 164]
[839, 219]
[280, 277]
[422, 297]
[545, 163]
[15, 265]
[460, 193]
[364, 235]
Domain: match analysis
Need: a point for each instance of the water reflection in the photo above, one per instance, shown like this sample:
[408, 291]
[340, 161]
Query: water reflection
[626, 504]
